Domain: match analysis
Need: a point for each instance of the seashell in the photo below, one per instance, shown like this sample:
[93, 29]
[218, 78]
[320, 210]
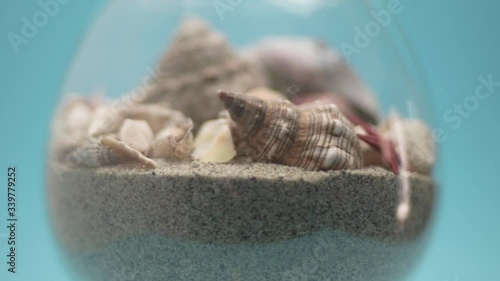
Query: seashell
[314, 138]
[413, 139]
[214, 142]
[174, 143]
[127, 153]
[265, 94]
[137, 134]
[300, 66]
[371, 157]
[107, 120]
[158, 116]
[197, 64]
[92, 153]
[107, 151]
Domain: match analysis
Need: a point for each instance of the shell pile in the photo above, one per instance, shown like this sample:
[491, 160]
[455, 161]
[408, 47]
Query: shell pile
[300, 105]
[97, 135]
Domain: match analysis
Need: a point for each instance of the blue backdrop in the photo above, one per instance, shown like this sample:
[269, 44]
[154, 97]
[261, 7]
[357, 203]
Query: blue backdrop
[455, 43]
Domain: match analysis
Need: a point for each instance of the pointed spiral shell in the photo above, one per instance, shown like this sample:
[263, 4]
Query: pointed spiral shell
[313, 137]
[199, 61]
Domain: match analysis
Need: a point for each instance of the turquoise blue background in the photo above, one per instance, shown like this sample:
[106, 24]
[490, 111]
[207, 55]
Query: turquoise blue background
[454, 43]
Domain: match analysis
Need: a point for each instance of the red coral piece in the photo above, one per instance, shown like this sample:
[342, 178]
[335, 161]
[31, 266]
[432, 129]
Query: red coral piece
[379, 143]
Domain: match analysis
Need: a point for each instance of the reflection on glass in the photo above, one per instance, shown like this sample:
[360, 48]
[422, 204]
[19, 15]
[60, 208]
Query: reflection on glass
[263, 143]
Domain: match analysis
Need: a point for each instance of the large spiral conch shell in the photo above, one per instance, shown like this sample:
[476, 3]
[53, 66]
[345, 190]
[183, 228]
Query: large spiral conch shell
[198, 63]
[316, 137]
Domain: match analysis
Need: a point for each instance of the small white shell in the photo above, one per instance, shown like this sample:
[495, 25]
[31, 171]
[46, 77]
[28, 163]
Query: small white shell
[214, 142]
[174, 143]
[137, 134]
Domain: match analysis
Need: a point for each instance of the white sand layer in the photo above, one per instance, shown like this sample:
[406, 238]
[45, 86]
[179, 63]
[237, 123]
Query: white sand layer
[252, 222]
[231, 202]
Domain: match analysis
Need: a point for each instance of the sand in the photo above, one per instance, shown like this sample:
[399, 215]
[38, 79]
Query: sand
[197, 221]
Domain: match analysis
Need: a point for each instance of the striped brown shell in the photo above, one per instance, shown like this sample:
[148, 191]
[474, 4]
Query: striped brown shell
[313, 137]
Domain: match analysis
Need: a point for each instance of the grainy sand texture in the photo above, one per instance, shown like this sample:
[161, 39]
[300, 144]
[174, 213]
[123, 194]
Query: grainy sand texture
[198, 221]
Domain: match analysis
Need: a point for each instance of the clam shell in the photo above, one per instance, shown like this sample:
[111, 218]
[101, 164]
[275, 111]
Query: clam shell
[137, 134]
[318, 137]
[198, 63]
